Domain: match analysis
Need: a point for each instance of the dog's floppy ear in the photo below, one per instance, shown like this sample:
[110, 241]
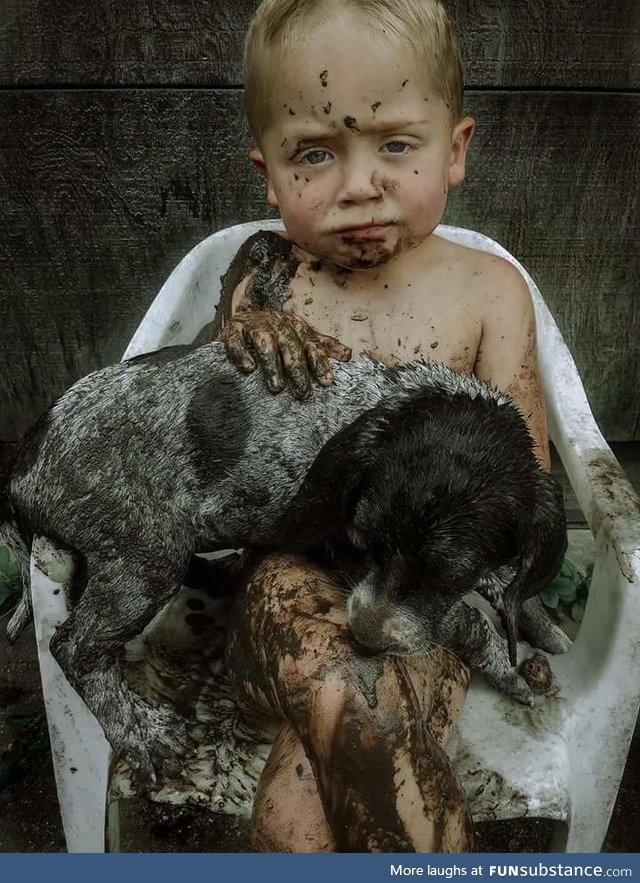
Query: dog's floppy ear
[543, 544]
[324, 505]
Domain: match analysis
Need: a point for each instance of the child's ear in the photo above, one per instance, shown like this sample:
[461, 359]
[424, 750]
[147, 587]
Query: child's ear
[257, 158]
[460, 140]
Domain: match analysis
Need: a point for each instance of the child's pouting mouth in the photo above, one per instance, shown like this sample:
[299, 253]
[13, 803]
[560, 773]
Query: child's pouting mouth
[369, 231]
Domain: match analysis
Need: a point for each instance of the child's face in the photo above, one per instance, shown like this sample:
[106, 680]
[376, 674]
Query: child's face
[359, 155]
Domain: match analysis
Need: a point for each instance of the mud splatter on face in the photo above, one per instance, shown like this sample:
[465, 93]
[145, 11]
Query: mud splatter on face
[327, 107]
[324, 77]
[375, 106]
[384, 182]
[404, 83]
[351, 123]
[292, 112]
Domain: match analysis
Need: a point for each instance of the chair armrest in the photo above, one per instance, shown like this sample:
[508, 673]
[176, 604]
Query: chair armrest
[606, 496]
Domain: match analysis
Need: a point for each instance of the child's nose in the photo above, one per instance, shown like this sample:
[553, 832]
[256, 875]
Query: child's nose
[360, 183]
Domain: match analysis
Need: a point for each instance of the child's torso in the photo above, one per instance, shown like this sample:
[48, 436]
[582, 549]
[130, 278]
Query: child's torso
[416, 309]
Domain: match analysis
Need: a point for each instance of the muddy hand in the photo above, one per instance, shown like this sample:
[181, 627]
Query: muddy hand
[285, 347]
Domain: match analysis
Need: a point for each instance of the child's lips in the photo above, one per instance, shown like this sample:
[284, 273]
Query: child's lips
[365, 231]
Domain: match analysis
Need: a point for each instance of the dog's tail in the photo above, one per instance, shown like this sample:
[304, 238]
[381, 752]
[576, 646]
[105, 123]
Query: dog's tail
[12, 539]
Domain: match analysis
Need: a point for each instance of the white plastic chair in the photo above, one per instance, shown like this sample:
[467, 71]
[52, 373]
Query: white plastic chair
[563, 759]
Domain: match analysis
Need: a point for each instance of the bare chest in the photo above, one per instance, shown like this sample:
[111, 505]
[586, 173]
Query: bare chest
[394, 327]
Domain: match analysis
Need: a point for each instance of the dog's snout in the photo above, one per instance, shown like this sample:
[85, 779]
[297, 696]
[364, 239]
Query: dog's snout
[374, 624]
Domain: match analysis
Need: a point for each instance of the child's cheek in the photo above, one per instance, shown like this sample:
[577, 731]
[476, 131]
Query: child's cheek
[301, 208]
[425, 204]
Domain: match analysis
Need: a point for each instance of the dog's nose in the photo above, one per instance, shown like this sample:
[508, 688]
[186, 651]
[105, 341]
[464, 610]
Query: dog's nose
[366, 648]
[366, 645]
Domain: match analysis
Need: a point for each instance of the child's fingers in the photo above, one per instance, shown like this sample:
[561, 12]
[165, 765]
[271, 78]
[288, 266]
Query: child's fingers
[318, 362]
[237, 346]
[266, 348]
[294, 362]
[333, 348]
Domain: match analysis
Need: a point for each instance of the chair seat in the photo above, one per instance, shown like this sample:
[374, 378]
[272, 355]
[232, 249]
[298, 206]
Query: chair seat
[512, 759]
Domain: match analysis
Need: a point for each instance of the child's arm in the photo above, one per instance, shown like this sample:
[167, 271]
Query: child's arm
[507, 357]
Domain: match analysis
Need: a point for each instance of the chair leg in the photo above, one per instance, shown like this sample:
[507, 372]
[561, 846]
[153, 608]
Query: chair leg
[587, 824]
[81, 754]
[113, 826]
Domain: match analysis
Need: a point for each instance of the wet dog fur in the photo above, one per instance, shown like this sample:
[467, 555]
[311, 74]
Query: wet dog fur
[427, 472]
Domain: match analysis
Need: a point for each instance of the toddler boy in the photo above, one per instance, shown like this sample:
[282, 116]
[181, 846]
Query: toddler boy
[356, 109]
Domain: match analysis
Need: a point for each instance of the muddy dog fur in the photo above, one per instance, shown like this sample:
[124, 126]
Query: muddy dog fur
[428, 472]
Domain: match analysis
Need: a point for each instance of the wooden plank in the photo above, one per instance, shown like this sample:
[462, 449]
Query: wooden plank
[122, 42]
[104, 191]
[554, 178]
[532, 43]
[550, 43]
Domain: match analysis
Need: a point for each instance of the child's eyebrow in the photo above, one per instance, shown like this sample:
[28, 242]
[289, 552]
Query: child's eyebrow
[376, 127]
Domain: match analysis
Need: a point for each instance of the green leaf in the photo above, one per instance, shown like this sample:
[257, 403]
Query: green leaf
[9, 568]
[549, 597]
[568, 569]
[565, 588]
[577, 611]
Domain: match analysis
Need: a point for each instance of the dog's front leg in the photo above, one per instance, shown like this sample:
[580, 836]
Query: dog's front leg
[471, 635]
[539, 629]
[121, 597]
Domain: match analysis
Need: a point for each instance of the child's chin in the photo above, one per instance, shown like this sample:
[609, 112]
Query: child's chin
[374, 255]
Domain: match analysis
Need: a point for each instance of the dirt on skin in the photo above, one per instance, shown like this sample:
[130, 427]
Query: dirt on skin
[30, 821]
[292, 659]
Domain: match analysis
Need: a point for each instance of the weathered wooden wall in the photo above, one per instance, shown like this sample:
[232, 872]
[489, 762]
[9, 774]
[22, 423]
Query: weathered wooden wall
[122, 143]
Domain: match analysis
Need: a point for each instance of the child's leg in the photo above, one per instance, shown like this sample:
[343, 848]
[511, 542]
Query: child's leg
[287, 812]
[383, 779]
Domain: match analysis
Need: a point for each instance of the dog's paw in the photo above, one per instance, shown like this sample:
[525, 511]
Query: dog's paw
[553, 639]
[537, 673]
[157, 744]
[513, 684]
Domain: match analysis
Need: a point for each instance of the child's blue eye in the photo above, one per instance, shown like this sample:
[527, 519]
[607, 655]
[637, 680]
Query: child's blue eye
[315, 157]
[397, 147]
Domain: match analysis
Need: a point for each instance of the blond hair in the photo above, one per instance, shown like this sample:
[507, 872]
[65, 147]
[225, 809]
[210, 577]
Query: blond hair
[425, 25]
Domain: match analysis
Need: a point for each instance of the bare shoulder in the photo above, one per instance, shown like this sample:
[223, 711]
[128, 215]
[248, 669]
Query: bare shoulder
[504, 284]
[507, 356]
[493, 279]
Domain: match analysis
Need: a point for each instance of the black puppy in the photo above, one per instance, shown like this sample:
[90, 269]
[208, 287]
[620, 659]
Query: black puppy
[143, 463]
[441, 493]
